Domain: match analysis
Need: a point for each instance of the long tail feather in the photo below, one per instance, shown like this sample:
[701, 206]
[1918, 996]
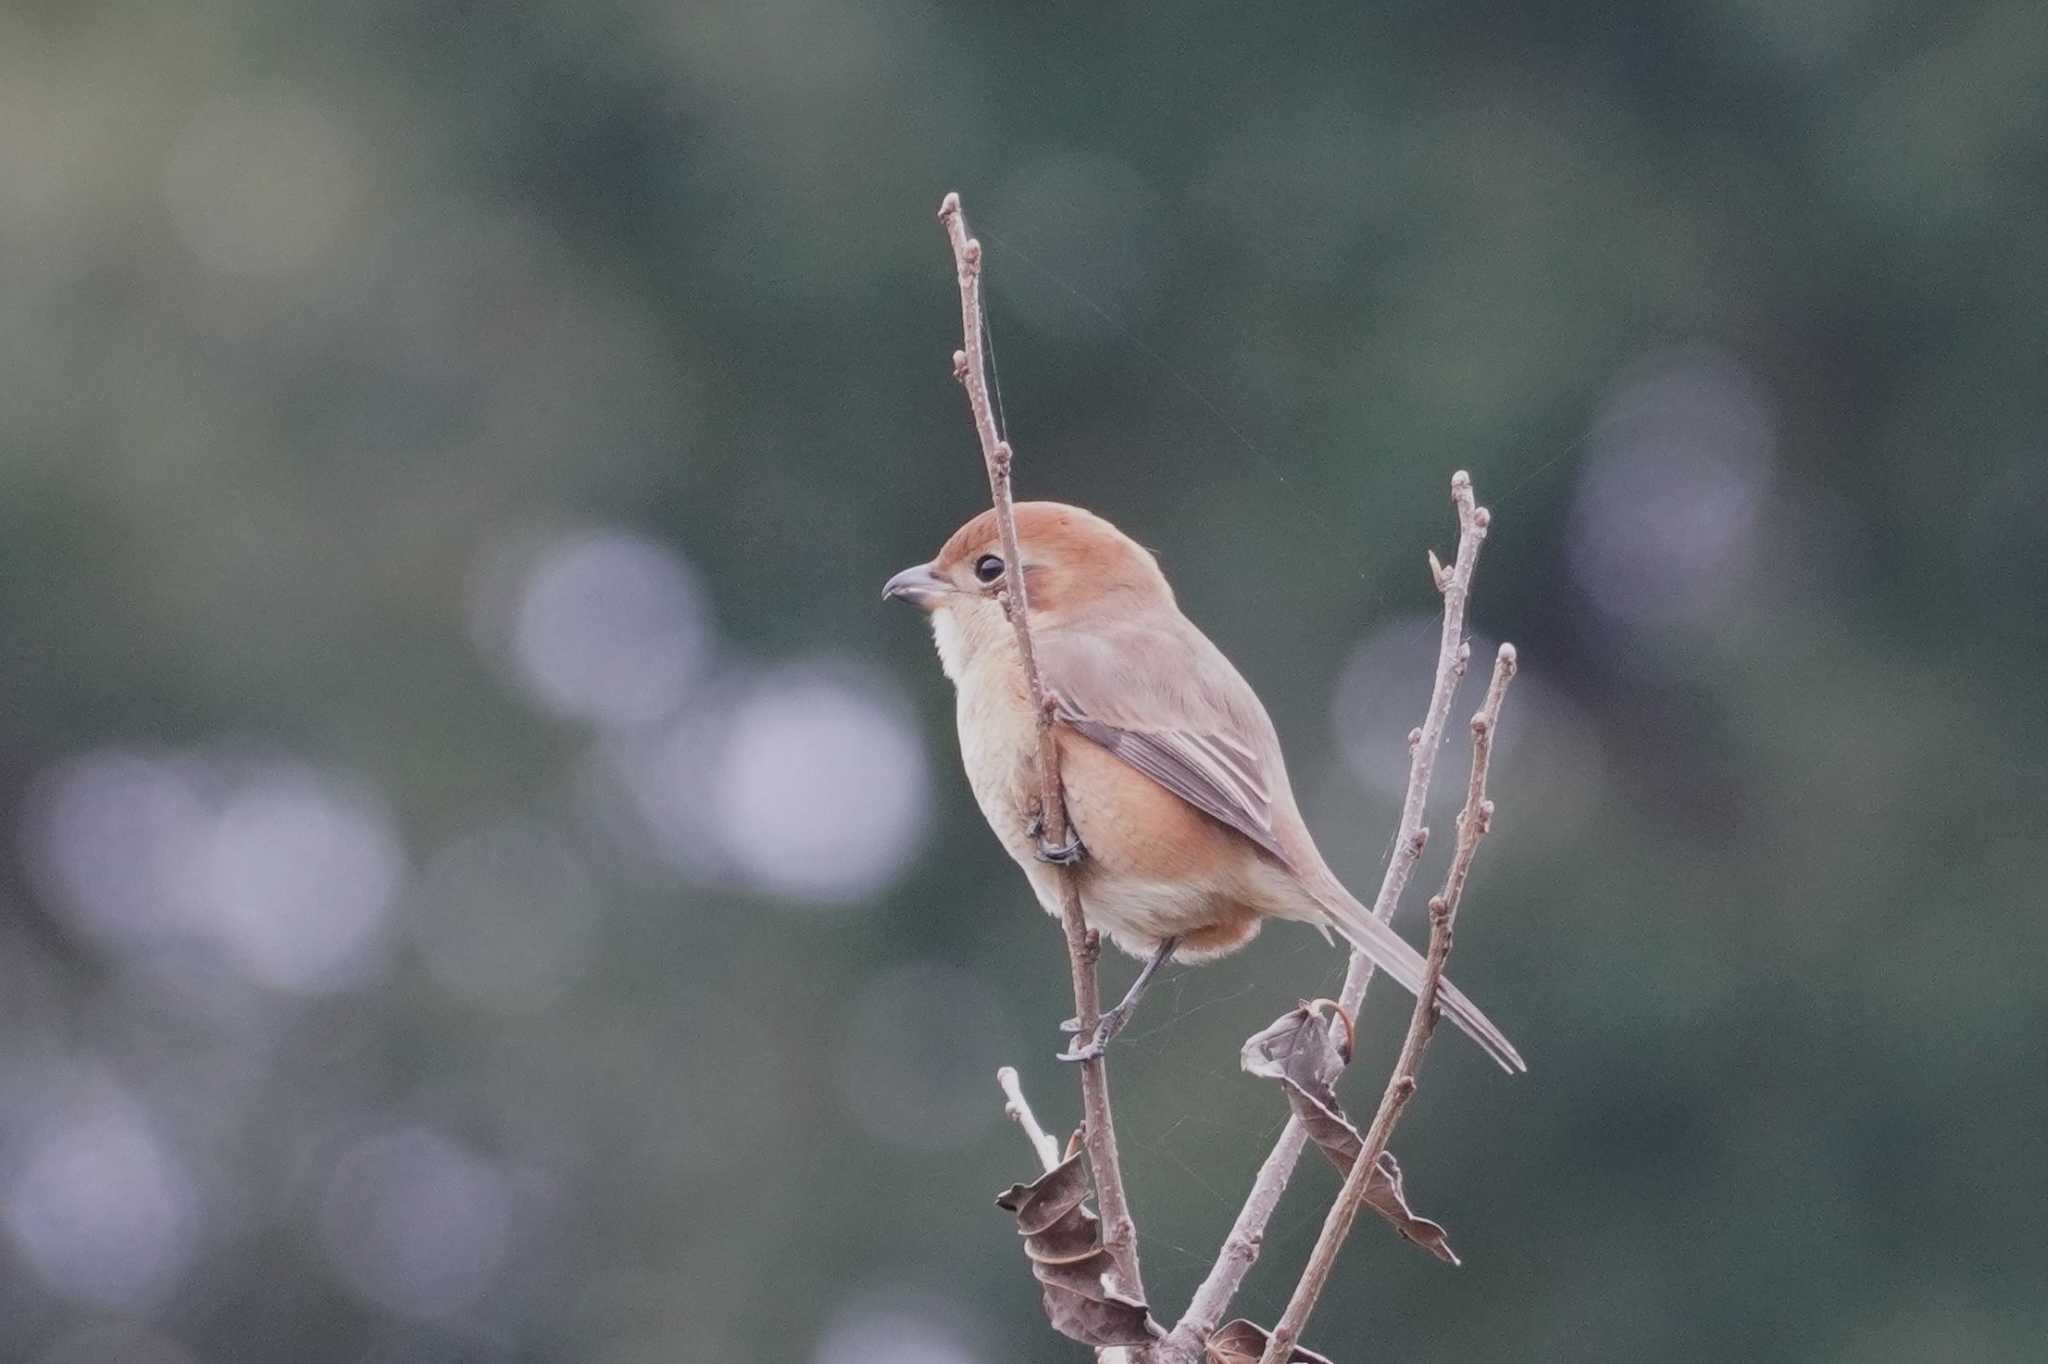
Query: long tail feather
[1391, 953]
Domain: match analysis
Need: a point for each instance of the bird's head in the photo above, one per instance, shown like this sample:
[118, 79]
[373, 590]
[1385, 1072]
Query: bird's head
[1075, 565]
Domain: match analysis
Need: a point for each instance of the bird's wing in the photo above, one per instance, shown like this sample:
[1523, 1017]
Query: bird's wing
[1157, 694]
[1163, 699]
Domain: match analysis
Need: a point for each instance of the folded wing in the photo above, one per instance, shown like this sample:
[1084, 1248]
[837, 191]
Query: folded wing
[1172, 707]
[1162, 698]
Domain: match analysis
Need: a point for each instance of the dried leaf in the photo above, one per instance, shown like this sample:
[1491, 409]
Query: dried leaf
[1306, 1050]
[1084, 1294]
[1240, 1342]
[1301, 1050]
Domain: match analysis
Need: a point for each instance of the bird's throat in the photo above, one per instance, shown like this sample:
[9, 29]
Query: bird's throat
[952, 646]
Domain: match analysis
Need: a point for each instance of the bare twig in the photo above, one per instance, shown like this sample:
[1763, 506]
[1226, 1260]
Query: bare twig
[1241, 1248]
[1119, 1233]
[1019, 1110]
[1473, 822]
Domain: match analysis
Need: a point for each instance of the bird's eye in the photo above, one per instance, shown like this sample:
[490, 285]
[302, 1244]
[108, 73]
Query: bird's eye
[988, 568]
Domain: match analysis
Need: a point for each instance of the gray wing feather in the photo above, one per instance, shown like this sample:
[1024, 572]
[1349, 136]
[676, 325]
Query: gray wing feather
[1177, 762]
[1193, 742]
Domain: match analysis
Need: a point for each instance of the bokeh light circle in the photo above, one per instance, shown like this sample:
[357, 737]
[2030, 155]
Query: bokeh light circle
[416, 1222]
[102, 1209]
[1666, 516]
[608, 627]
[281, 872]
[823, 785]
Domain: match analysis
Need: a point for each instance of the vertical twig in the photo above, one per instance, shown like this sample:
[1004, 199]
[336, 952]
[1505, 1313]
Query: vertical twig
[1119, 1234]
[1247, 1235]
[1473, 822]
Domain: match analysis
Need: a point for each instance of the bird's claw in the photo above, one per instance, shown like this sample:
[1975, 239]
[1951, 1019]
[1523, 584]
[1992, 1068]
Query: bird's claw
[1109, 1025]
[1066, 855]
[1070, 1025]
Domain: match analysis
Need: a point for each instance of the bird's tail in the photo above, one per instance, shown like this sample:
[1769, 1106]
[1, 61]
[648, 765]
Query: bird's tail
[1392, 954]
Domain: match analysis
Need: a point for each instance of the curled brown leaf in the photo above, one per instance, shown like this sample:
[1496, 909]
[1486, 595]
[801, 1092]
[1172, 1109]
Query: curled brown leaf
[1305, 1050]
[1084, 1295]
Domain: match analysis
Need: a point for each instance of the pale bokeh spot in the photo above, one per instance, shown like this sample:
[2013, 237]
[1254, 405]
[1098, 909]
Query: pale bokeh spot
[103, 1210]
[281, 872]
[608, 627]
[823, 786]
[1664, 525]
[416, 1222]
[298, 879]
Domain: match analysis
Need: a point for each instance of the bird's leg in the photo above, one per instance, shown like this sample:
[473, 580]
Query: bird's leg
[1065, 855]
[1113, 1019]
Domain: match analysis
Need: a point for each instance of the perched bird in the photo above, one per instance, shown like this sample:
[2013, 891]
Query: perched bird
[1188, 834]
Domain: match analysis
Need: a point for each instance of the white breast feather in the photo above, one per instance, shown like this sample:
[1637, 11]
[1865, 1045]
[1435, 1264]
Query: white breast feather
[952, 649]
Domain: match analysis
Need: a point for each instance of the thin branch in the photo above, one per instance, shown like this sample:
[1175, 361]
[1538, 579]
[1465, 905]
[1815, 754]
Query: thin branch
[1018, 1109]
[1247, 1235]
[1119, 1233]
[1473, 822]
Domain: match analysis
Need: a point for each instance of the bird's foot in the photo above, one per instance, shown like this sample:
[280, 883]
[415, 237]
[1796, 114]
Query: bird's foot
[1110, 1024]
[1063, 855]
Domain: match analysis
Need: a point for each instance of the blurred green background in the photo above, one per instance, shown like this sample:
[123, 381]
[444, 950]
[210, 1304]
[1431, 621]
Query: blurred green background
[485, 879]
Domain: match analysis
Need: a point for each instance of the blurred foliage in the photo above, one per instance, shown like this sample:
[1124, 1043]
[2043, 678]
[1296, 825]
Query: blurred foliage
[487, 881]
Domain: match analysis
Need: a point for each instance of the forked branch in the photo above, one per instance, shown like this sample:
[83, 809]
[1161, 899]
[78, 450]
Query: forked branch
[1247, 1235]
[1473, 822]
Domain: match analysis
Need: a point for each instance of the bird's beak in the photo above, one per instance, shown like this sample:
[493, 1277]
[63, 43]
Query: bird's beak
[919, 586]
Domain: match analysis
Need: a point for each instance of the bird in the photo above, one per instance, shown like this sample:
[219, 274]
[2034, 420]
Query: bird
[1186, 835]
